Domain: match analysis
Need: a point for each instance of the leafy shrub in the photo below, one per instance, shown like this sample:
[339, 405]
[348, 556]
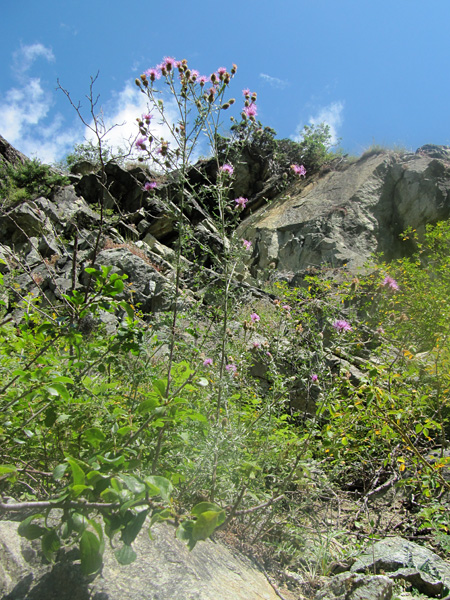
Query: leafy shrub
[28, 181]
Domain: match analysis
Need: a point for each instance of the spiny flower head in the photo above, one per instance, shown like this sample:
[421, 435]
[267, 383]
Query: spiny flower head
[314, 378]
[241, 202]
[227, 169]
[341, 325]
[246, 93]
[299, 170]
[140, 143]
[231, 368]
[170, 62]
[247, 244]
[391, 283]
[208, 362]
[153, 74]
[202, 79]
[255, 317]
[149, 185]
[251, 110]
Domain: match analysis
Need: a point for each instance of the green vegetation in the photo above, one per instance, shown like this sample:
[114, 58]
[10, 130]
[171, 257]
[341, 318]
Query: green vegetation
[27, 181]
[226, 411]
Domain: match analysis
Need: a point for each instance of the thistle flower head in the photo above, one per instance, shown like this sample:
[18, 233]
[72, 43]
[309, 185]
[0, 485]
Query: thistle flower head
[341, 325]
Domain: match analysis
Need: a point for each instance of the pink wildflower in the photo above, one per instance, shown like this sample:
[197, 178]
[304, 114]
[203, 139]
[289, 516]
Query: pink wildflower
[208, 362]
[194, 74]
[286, 307]
[149, 185]
[391, 283]
[170, 62]
[202, 79]
[256, 344]
[314, 378]
[212, 91]
[255, 317]
[299, 170]
[221, 71]
[227, 169]
[341, 325]
[153, 74]
[232, 368]
[147, 118]
[241, 202]
[140, 143]
[247, 244]
[246, 93]
[251, 110]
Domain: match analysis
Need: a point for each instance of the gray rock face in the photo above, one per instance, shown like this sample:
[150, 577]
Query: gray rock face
[341, 218]
[348, 586]
[8, 154]
[401, 559]
[164, 570]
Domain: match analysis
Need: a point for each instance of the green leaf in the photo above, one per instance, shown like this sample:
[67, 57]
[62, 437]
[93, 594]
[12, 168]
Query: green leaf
[133, 484]
[207, 523]
[184, 533]
[148, 405]
[7, 470]
[91, 553]
[29, 530]
[127, 308]
[58, 389]
[77, 472]
[133, 528]
[160, 386]
[94, 436]
[201, 507]
[79, 489]
[126, 555]
[163, 485]
[50, 544]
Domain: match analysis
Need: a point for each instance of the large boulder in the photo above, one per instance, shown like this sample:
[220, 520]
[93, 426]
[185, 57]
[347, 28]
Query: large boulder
[342, 217]
[163, 570]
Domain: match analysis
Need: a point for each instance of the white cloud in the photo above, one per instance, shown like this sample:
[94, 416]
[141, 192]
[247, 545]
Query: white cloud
[24, 58]
[274, 81]
[331, 115]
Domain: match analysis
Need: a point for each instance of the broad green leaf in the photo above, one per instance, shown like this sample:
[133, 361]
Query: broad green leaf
[148, 405]
[133, 484]
[50, 544]
[201, 507]
[162, 484]
[79, 489]
[7, 469]
[29, 530]
[94, 436]
[207, 523]
[91, 553]
[133, 528]
[126, 555]
[77, 472]
[160, 386]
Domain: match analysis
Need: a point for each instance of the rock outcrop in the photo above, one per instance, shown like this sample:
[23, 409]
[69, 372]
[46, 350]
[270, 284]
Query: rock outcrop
[342, 217]
[164, 570]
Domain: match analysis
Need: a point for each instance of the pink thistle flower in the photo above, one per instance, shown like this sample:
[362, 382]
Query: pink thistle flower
[231, 368]
[153, 74]
[391, 283]
[286, 307]
[212, 91]
[170, 62]
[202, 79]
[149, 185]
[256, 344]
[221, 70]
[299, 170]
[269, 354]
[246, 93]
[380, 330]
[241, 202]
[208, 362]
[342, 325]
[255, 317]
[314, 378]
[194, 74]
[140, 143]
[147, 118]
[227, 169]
[247, 244]
[251, 110]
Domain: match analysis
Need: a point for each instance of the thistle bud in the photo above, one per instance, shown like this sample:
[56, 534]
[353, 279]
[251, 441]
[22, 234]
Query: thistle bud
[143, 77]
[231, 101]
[225, 106]
[213, 78]
[254, 97]
[137, 82]
[233, 69]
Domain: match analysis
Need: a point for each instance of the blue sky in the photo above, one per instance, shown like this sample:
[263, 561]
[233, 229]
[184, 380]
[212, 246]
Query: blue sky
[376, 71]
